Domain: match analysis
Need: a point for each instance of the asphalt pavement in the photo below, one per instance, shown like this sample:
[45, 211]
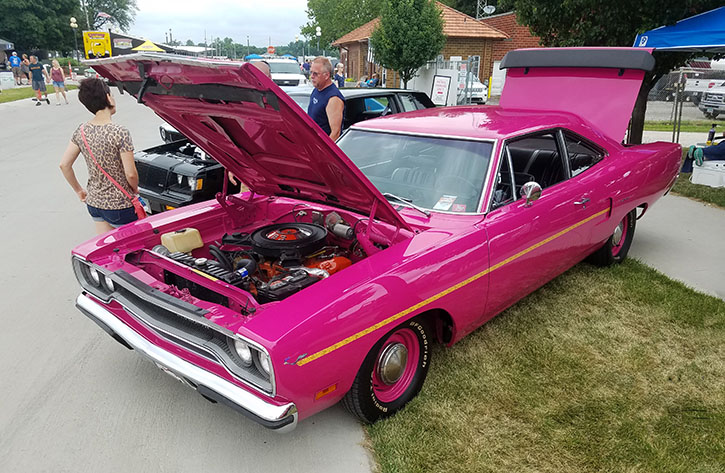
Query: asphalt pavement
[685, 240]
[71, 398]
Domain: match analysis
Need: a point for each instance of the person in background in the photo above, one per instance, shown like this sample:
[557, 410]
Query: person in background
[25, 68]
[112, 149]
[373, 81]
[58, 77]
[327, 105]
[306, 68]
[340, 75]
[39, 78]
[15, 63]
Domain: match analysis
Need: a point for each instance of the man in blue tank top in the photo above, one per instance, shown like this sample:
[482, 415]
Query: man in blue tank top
[327, 105]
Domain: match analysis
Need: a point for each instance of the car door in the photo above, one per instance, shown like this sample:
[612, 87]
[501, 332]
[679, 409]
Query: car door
[532, 243]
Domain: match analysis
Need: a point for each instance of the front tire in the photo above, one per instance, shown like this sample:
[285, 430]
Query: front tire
[617, 246]
[392, 373]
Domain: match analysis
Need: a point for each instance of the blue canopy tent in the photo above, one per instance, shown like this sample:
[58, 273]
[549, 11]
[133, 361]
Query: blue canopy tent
[700, 33]
[289, 56]
[703, 33]
[252, 56]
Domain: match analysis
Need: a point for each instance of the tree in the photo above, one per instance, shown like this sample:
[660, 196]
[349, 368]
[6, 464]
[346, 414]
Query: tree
[120, 12]
[336, 18]
[596, 23]
[469, 6]
[189, 42]
[409, 35]
[35, 24]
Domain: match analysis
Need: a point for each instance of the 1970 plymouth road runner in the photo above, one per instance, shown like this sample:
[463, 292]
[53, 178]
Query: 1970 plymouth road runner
[331, 279]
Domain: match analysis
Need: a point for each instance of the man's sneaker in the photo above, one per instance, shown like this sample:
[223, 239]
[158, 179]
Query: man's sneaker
[47, 100]
[34, 99]
[38, 104]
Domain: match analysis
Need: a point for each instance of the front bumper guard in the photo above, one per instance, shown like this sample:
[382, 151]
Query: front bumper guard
[279, 418]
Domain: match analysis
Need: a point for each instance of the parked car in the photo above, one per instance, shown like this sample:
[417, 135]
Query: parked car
[712, 103]
[331, 279]
[179, 173]
[286, 72]
[176, 174]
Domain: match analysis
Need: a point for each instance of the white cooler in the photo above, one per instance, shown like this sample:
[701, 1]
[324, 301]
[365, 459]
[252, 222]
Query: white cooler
[711, 173]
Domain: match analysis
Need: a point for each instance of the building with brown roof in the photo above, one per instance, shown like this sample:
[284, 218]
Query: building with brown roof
[465, 37]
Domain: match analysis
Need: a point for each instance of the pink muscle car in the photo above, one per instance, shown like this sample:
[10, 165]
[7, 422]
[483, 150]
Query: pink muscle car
[331, 279]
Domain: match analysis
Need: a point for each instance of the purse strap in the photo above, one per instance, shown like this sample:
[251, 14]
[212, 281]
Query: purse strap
[83, 135]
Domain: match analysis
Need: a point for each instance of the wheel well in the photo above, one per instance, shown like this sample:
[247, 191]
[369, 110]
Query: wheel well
[442, 322]
[643, 207]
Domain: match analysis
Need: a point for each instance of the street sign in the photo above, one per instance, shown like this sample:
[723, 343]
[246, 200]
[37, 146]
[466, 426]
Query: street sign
[270, 49]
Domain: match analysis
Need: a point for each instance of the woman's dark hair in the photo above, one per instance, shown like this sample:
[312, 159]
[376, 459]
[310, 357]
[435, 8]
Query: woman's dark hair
[93, 93]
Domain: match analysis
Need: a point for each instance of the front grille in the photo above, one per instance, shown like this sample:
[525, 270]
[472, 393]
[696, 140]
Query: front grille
[178, 322]
[287, 82]
[714, 98]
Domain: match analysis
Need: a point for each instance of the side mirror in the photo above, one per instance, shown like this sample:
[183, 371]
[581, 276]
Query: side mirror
[530, 191]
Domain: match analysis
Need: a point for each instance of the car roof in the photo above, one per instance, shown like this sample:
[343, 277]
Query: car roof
[479, 121]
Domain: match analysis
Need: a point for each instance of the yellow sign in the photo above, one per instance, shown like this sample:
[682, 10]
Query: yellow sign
[97, 44]
[147, 46]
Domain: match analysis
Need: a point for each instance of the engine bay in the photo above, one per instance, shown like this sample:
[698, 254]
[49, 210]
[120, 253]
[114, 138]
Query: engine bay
[245, 269]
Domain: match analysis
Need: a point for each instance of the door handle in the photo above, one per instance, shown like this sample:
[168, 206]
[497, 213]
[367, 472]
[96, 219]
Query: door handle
[582, 202]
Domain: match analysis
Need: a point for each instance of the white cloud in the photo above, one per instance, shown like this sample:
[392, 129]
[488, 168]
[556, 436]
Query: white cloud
[279, 19]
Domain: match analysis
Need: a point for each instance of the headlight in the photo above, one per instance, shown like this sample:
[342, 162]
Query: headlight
[195, 184]
[108, 283]
[244, 352]
[95, 276]
[179, 178]
[263, 362]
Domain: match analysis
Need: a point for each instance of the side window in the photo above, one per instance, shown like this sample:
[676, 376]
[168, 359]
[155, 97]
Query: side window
[536, 158]
[582, 155]
[376, 104]
[503, 193]
[409, 103]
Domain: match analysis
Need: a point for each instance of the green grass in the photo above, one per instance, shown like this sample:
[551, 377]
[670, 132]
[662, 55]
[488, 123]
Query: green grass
[711, 195]
[11, 95]
[699, 126]
[617, 369]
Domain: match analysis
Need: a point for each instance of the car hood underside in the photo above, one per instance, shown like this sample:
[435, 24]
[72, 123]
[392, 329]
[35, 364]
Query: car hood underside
[247, 123]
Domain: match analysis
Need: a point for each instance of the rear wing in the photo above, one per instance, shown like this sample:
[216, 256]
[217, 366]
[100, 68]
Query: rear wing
[600, 85]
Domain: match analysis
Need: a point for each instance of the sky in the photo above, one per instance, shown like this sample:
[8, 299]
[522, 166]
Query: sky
[279, 19]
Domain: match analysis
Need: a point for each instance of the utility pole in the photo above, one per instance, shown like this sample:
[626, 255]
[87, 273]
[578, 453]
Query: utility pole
[247, 45]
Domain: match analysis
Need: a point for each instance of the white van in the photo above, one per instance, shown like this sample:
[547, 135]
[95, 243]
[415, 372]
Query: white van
[285, 72]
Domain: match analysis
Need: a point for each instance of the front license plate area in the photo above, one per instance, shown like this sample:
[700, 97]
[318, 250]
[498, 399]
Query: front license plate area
[174, 375]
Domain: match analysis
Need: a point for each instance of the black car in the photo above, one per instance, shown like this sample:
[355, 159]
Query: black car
[179, 173]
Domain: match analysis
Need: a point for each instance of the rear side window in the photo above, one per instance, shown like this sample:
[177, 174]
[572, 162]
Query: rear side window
[536, 158]
[582, 154]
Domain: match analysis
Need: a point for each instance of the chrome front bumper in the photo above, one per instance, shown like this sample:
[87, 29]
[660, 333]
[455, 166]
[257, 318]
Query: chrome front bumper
[280, 418]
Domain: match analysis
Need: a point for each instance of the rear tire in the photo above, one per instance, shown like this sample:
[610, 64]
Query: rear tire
[617, 246]
[392, 373]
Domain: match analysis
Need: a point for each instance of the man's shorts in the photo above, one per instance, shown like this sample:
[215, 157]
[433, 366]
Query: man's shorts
[16, 72]
[115, 218]
[39, 85]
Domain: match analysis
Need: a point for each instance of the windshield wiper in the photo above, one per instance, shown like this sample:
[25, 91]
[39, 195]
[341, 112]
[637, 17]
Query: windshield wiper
[408, 202]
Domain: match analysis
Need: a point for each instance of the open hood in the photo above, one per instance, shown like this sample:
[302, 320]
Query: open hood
[247, 123]
[599, 85]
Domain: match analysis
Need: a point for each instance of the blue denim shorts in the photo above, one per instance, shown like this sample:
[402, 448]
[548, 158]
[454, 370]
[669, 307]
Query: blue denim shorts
[59, 84]
[115, 218]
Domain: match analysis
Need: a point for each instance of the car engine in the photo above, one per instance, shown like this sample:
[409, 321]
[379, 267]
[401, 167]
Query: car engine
[271, 263]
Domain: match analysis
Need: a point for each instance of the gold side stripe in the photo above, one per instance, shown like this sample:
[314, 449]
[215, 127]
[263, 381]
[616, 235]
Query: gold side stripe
[443, 293]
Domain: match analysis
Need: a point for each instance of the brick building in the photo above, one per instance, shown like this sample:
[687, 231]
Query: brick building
[465, 37]
[519, 35]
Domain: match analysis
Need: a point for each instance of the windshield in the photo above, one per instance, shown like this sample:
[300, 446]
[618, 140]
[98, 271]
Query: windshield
[433, 173]
[287, 67]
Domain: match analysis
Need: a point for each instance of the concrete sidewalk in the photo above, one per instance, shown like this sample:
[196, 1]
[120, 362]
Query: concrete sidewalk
[685, 240]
